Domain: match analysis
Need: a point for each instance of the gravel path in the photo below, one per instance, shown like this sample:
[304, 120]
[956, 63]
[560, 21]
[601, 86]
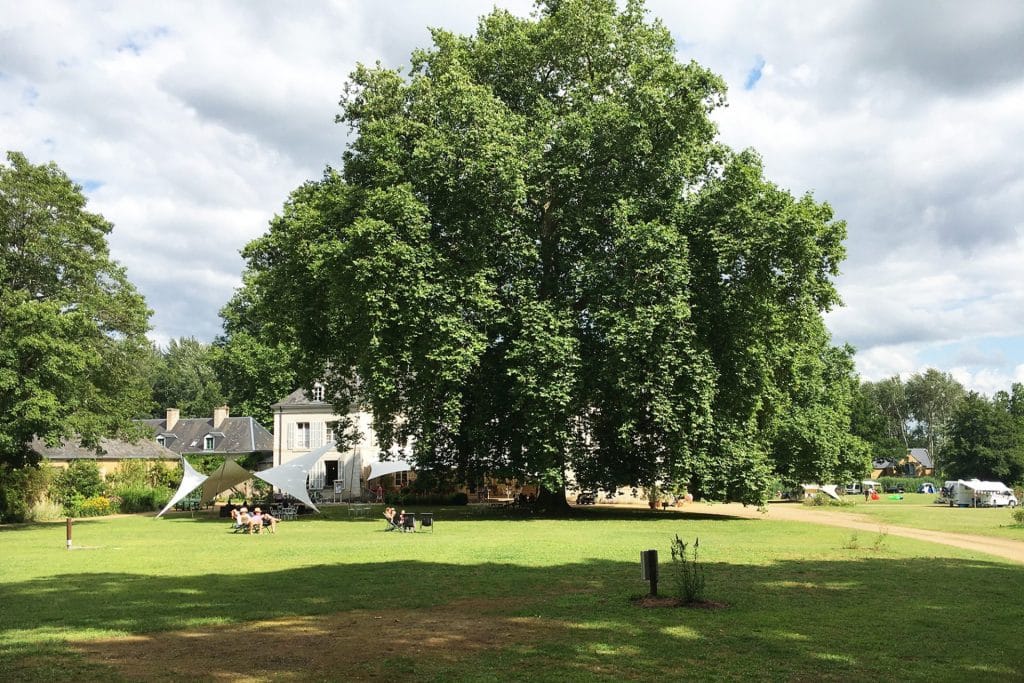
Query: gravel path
[1000, 547]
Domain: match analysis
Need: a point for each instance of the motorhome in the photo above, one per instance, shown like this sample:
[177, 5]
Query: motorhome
[976, 493]
[862, 486]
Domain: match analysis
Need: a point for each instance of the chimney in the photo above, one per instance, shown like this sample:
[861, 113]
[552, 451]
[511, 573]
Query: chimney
[219, 415]
[172, 418]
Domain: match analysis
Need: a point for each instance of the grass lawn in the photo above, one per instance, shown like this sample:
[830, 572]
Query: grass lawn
[919, 510]
[488, 598]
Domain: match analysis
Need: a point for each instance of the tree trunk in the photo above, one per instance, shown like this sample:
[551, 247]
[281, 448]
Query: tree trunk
[552, 502]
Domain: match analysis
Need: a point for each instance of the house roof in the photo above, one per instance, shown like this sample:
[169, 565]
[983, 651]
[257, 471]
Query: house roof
[922, 456]
[232, 435]
[112, 449]
[299, 398]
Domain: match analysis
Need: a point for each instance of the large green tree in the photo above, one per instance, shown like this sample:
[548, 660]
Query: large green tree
[255, 362]
[986, 440]
[538, 259]
[933, 397]
[184, 377]
[72, 327]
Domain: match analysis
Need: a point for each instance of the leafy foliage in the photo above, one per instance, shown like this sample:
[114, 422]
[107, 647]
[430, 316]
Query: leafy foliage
[72, 328]
[255, 359]
[184, 378]
[893, 415]
[81, 478]
[21, 488]
[986, 440]
[538, 260]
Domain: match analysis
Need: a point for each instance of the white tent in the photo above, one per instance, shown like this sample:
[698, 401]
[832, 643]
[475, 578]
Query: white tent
[224, 477]
[189, 483]
[290, 477]
[379, 469]
[828, 489]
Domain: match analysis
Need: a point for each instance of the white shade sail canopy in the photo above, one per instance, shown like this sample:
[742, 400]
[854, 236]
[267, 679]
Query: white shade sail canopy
[189, 483]
[226, 476]
[290, 477]
[379, 469]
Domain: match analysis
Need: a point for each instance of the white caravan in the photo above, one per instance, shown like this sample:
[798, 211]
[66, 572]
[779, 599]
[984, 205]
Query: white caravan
[975, 493]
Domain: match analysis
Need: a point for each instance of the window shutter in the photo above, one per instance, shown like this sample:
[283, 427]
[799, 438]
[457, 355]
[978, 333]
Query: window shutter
[317, 435]
[291, 435]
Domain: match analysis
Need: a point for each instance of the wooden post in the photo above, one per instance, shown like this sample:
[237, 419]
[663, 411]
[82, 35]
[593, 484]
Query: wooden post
[69, 533]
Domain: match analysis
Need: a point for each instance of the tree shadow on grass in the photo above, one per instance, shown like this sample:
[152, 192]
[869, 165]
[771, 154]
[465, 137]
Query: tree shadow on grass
[790, 620]
[476, 513]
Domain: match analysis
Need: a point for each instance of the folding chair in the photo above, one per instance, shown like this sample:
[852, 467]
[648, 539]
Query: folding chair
[427, 520]
[409, 522]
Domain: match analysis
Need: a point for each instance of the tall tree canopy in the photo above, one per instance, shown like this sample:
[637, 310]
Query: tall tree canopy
[538, 259]
[183, 377]
[72, 328]
[893, 415]
[986, 439]
[254, 361]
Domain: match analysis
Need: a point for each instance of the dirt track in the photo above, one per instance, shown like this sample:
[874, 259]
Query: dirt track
[1001, 547]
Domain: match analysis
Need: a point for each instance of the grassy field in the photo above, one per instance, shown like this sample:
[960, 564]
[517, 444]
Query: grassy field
[920, 511]
[488, 598]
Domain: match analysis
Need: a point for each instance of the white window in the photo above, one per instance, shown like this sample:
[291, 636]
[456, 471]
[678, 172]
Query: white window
[160, 440]
[401, 479]
[318, 392]
[302, 434]
[208, 443]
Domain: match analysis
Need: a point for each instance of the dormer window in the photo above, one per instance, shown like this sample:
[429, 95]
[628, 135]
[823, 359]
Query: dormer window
[318, 392]
[161, 440]
[208, 443]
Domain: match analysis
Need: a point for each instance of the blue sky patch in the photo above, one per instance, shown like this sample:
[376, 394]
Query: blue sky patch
[1003, 353]
[89, 184]
[754, 75]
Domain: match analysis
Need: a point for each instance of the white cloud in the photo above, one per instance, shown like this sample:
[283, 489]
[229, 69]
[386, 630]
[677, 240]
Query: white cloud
[190, 122]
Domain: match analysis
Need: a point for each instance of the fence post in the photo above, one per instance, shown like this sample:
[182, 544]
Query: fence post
[69, 533]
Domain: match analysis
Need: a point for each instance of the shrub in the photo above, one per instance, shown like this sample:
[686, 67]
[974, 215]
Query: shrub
[460, 498]
[135, 498]
[822, 500]
[687, 573]
[1018, 516]
[160, 475]
[127, 473]
[45, 510]
[94, 506]
[20, 489]
[82, 477]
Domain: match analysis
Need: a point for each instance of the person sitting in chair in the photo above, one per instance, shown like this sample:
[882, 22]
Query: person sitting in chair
[269, 521]
[389, 514]
[256, 522]
[236, 519]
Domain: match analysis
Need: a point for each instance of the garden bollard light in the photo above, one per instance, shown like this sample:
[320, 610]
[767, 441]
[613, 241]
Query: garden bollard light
[649, 569]
[69, 533]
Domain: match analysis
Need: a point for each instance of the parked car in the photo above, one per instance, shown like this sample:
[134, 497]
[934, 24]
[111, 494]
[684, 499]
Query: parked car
[895, 488]
[586, 498]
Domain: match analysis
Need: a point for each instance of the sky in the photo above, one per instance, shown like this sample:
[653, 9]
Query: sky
[188, 123]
